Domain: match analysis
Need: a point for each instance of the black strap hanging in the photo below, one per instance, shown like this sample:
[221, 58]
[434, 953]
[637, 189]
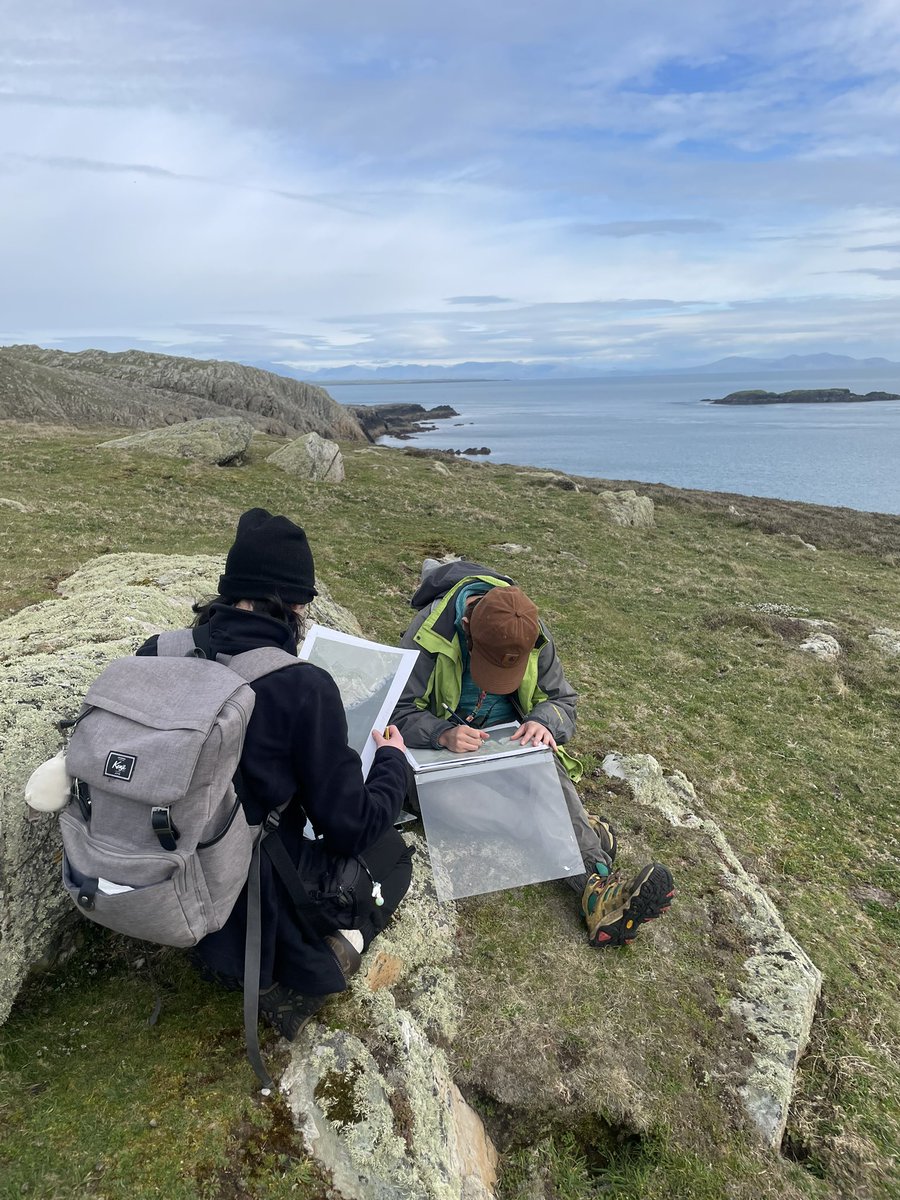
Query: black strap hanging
[164, 827]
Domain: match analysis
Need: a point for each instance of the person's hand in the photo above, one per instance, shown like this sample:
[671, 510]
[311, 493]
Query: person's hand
[535, 733]
[394, 738]
[462, 738]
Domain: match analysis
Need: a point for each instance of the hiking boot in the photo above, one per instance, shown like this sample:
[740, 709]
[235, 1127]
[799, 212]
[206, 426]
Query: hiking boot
[606, 835]
[288, 1011]
[614, 911]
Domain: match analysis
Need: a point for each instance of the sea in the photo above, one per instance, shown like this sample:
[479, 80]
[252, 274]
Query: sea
[656, 429]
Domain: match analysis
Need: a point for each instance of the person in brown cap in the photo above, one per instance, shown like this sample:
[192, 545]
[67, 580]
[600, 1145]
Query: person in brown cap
[485, 658]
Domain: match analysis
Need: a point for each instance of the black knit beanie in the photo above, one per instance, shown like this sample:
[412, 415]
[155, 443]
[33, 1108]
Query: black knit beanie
[270, 557]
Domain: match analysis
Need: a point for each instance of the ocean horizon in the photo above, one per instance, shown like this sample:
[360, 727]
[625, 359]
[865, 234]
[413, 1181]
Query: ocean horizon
[655, 429]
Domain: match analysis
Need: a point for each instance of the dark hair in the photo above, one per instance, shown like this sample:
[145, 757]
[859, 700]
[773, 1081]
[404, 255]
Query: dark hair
[271, 606]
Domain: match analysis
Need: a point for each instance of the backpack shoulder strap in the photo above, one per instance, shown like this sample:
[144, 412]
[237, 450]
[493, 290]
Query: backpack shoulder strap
[176, 643]
[253, 664]
[250, 665]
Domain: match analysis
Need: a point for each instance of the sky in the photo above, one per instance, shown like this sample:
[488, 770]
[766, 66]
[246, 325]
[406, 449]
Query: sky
[602, 183]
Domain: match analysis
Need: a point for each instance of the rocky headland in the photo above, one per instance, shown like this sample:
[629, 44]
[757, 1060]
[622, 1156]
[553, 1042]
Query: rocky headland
[138, 390]
[802, 396]
[398, 420]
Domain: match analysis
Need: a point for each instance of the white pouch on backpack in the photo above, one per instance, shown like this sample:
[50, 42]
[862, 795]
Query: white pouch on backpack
[47, 789]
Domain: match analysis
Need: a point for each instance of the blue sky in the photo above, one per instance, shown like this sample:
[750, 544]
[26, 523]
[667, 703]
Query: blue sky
[598, 183]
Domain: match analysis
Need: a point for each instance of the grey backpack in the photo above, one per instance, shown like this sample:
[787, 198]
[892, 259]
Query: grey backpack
[156, 844]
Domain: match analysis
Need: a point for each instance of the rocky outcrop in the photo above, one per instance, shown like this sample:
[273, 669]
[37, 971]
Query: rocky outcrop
[49, 654]
[139, 390]
[626, 508]
[823, 646]
[887, 641]
[217, 441]
[398, 420]
[311, 457]
[782, 984]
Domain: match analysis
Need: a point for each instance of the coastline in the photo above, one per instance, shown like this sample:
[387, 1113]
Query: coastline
[656, 431]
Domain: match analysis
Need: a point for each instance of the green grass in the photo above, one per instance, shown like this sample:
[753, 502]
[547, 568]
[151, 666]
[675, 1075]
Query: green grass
[659, 630]
[96, 1102]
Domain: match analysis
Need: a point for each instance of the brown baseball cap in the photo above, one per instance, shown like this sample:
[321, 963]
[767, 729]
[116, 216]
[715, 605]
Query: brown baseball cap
[503, 627]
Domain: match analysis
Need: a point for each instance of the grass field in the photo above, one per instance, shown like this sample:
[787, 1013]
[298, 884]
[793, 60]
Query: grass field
[682, 641]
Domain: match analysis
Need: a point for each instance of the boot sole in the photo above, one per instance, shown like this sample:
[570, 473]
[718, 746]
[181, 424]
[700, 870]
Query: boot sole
[653, 899]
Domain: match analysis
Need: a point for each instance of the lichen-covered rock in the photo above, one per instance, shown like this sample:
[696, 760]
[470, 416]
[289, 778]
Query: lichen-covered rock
[379, 1109]
[49, 654]
[214, 440]
[887, 641]
[782, 984]
[184, 579]
[311, 457]
[626, 508]
[822, 645]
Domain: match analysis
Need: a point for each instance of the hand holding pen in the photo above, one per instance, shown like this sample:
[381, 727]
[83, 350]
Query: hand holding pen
[462, 738]
[391, 737]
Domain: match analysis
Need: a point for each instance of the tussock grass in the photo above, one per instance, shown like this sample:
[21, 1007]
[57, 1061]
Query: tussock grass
[662, 632]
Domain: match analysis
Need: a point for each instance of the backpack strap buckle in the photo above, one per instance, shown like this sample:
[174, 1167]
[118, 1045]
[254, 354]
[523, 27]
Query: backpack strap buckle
[87, 892]
[272, 821]
[164, 827]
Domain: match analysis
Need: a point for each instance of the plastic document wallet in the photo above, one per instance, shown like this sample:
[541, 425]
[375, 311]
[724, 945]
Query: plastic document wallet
[497, 823]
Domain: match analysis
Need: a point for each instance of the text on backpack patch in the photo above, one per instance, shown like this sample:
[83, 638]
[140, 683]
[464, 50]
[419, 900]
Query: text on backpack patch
[119, 766]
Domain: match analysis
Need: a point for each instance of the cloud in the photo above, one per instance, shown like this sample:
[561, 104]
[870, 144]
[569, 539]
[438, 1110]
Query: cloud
[624, 229]
[290, 180]
[888, 246]
[878, 272]
[479, 300]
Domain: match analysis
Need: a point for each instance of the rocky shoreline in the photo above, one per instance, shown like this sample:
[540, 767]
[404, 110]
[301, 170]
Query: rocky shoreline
[802, 396]
[398, 420]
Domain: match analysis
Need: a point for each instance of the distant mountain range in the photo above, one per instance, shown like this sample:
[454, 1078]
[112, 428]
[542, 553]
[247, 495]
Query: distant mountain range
[468, 371]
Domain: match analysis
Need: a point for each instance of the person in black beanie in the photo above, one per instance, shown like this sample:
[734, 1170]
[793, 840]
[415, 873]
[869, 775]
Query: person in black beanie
[296, 753]
[270, 556]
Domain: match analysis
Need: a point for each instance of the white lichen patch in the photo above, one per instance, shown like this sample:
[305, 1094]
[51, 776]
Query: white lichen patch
[781, 983]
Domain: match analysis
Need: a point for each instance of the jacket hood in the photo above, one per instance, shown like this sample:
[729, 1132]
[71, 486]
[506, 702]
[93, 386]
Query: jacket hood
[445, 576]
[234, 630]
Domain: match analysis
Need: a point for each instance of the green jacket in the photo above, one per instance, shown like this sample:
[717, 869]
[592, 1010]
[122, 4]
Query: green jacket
[434, 687]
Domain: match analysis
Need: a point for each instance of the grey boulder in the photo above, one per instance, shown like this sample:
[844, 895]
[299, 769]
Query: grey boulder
[311, 457]
[214, 440]
[626, 508]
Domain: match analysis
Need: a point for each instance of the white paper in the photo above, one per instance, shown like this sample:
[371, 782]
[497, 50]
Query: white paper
[369, 676]
[112, 889]
[497, 745]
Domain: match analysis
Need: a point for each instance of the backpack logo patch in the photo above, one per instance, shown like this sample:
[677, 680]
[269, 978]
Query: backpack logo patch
[119, 766]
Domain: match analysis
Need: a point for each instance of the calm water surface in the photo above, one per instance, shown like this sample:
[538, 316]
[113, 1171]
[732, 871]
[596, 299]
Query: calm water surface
[656, 430]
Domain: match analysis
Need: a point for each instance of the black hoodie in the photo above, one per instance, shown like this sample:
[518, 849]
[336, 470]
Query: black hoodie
[296, 749]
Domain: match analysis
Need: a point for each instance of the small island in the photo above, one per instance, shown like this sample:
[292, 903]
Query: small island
[809, 396]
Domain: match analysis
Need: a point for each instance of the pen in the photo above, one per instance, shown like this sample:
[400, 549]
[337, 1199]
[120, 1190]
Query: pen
[452, 717]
